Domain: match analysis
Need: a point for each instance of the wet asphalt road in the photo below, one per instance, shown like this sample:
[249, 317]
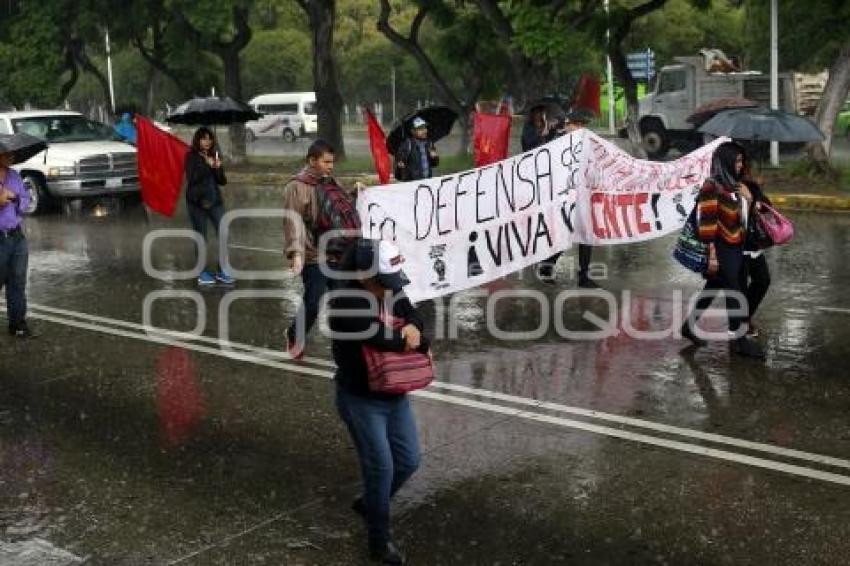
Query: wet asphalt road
[124, 447]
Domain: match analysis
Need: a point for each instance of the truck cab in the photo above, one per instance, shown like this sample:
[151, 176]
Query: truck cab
[684, 86]
[83, 158]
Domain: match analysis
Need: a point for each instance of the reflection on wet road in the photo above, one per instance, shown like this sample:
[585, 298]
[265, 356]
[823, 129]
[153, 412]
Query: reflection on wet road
[126, 444]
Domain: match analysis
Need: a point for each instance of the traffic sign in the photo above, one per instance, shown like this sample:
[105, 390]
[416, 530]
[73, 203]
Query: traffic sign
[641, 64]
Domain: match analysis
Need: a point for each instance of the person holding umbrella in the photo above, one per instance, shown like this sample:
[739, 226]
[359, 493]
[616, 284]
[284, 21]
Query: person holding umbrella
[204, 178]
[416, 156]
[14, 253]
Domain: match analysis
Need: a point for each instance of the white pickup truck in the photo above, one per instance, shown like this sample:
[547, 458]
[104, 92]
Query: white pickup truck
[83, 158]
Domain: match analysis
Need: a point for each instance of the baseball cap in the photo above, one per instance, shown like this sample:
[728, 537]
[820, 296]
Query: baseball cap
[385, 258]
[418, 122]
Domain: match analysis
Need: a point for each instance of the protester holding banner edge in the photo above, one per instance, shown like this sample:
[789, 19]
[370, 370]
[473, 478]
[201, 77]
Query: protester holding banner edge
[721, 209]
[573, 121]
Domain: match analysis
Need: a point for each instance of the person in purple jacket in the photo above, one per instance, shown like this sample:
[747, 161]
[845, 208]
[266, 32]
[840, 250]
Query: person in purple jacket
[14, 255]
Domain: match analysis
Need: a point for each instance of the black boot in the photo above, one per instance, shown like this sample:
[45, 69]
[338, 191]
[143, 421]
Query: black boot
[22, 330]
[386, 553]
[747, 347]
[689, 334]
[359, 507]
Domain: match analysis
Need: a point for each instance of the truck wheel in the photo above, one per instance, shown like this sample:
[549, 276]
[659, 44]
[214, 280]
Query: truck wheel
[655, 141]
[288, 135]
[37, 191]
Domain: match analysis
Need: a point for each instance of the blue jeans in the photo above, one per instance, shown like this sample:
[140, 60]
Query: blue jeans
[14, 258]
[315, 286]
[384, 434]
[199, 215]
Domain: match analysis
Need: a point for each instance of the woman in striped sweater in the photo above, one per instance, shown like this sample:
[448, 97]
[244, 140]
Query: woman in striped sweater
[722, 207]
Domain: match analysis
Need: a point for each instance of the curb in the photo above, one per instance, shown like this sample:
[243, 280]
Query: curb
[812, 202]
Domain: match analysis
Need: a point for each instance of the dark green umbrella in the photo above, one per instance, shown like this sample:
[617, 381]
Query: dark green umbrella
[762, 124]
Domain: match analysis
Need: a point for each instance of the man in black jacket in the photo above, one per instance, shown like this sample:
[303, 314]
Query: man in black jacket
[416, 156]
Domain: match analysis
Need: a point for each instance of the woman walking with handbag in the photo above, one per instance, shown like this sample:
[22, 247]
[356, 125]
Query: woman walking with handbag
[721, 208]
[368, 316]
[755, 275]
[204, 178]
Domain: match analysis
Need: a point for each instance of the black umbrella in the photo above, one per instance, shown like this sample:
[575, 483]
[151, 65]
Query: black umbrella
[213, 110]
[707, 111]
[762, 124]
[440, 120]
[552, 106]
[21, 146]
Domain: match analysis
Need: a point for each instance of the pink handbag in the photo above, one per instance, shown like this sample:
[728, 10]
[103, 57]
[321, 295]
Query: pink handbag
[777, 227]
[397, 372]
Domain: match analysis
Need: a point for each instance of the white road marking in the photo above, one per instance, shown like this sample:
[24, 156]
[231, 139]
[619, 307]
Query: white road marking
[523, 414]
[834, 309]
[486, 393]
[177, 335]
[253, 249]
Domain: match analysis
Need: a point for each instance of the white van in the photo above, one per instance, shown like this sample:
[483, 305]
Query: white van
[287, 116]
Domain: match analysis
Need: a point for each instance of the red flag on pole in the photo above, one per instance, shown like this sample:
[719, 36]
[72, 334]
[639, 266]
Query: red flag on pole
[161, 158]
[587, 94]
[378, 145]
[491, 137]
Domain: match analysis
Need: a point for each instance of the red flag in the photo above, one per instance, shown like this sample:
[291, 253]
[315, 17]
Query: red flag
[378, 145]
[161, 158]
[491, 137]
[587, 94]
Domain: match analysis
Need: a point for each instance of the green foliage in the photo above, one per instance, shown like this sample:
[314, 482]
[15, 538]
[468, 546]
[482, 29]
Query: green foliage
[680, 28]
[31, 56]
[810, 33]
[277, 61]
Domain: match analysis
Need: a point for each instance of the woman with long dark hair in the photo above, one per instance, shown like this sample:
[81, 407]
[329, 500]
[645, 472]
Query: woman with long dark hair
[204, 179]
[722, 206]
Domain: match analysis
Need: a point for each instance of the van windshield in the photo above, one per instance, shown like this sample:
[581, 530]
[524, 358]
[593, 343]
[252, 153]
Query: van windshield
[309, 108]
[61, 129]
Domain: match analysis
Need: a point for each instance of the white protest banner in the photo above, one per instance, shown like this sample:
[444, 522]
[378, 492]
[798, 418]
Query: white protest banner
[462, 230]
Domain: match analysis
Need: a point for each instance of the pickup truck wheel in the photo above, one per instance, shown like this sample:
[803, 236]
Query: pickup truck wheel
[37, 191]
[288, 135]
[655, 141]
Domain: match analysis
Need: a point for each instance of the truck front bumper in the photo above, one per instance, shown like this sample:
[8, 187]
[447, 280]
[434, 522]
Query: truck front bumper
[78, 188]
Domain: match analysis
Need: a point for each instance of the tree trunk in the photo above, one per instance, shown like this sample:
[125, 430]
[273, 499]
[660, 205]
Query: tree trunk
[322, 16]
[233, 89]
[150, 91]
[413, 47]
[621, 71]
[830, 105]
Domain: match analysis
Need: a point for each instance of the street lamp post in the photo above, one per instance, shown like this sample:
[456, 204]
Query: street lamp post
[610, 72]
[109, 71]
[774, 73]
